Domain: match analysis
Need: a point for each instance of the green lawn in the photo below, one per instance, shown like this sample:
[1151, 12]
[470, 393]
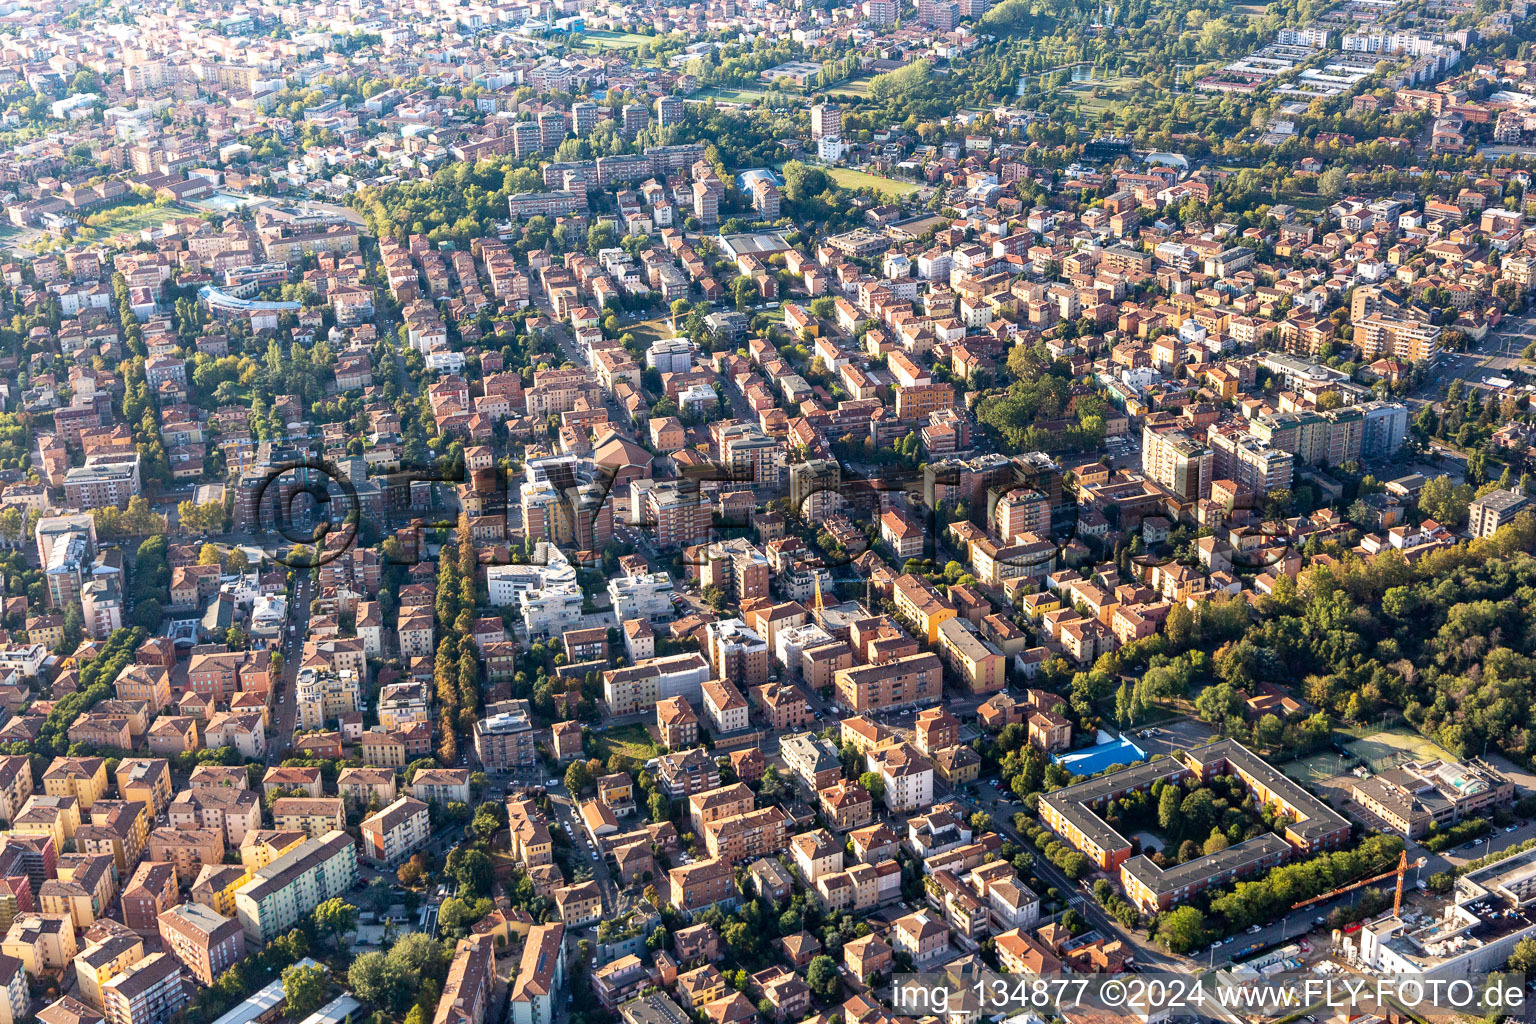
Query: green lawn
[601, 39]
[847, 177]
[135, 218]
[631, 740]
[854, 88]
[730, 95]
[647, 331]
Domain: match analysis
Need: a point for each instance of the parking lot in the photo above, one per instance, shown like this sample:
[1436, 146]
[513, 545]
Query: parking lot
[1124, 451]
[1170, 737]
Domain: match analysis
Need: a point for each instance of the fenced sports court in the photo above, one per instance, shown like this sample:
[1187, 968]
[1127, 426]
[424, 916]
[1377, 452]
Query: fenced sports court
[1320, 767]
[1379, 747]
[1382, 749]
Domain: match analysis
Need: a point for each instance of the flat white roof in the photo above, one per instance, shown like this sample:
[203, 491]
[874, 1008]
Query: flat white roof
[334, 1011]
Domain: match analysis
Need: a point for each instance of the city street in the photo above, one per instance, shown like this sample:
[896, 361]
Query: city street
[569, 816]
[293, 649]
[1496, 356]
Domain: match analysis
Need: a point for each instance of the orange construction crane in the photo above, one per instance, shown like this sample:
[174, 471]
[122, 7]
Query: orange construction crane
[1400, 871]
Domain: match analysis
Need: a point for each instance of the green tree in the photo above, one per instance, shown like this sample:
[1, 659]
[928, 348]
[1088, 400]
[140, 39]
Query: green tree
[1168, 811]
[304, 989]
[822, 976]
[373, 980]
[147, 614]
[457, 915]
[335, 917]
[418, 956]
[473, 870]
[802, 182]
[1446, 502]
[772, 787]
[577, 778]
[741, 937]
[489, 818]
[874, 783]
[1523, 958]
[74, 627]
[1181, 930]
[1197, 812]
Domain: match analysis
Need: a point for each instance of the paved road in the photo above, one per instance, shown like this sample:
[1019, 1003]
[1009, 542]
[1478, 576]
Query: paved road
[585, 850]
[1497, 355]
[293, 649]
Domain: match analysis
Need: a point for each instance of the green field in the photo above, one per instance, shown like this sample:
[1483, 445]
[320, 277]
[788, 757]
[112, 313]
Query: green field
[847, 177]
[647, 331]
[854, 88]
[631, 740]
[601, 39]
[134, 218]
[730, 95]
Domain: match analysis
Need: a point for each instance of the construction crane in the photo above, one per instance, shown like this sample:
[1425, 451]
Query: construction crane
[1400, 871]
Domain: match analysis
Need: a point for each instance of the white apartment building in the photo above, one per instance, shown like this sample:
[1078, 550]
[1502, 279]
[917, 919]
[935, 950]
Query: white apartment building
[391, 835]
[642, 597]
[908, 777]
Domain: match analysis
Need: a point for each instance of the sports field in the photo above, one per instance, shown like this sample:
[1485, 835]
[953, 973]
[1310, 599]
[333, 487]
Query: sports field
[1317, 767]
[595, 39]
[1379, 749]
[853, 88]
[726, 94]
[847, 177]
[1389, 748]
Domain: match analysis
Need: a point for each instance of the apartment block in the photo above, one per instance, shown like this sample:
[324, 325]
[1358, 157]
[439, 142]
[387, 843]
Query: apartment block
[207, 943]
[471, 980]
[149, 992]
[505, 739]
[896, 683]
[540, 976]
[293, 885]
[394, 833]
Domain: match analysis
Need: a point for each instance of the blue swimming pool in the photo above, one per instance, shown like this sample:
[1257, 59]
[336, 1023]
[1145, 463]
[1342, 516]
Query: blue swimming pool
[1096, 759]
